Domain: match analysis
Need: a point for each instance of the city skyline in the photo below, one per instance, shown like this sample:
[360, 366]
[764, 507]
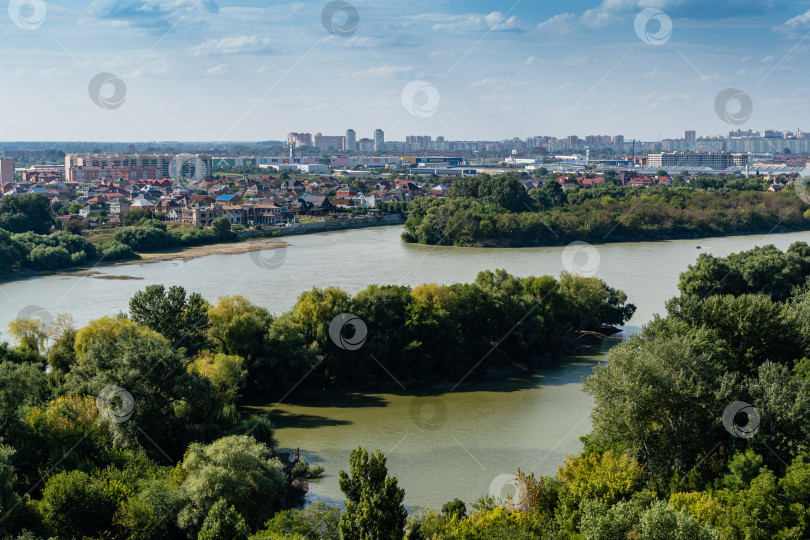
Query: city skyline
[177, 70]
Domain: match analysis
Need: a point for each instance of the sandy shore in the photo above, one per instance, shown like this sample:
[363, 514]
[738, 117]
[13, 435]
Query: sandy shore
[187, 254]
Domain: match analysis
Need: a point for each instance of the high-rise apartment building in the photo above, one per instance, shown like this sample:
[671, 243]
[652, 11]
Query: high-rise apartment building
[6, 171]
[715, 160]
[327, 142]
[89, 167]
[379, 140]
[299, 139]
[350, 143]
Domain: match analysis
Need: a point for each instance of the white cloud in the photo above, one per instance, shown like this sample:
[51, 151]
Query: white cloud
[767, 59]
[471, 22]
[218, 70]
[530, 60]
[154, 14]
[384, 71]
[558, 24]
[484, 82]
[233, 45]
[797, 25]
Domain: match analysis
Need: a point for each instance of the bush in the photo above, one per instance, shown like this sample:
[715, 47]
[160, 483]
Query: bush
[114, 250]
[150, 237]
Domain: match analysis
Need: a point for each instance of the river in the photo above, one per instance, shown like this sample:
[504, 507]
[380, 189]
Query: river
[440, 445]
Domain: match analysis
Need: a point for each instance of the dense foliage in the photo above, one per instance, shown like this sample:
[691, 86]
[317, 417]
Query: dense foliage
[26, 240]
[26, 213]
[419, 335]
[665, 459]
[131, 427]
[153, 236]
[499, 211]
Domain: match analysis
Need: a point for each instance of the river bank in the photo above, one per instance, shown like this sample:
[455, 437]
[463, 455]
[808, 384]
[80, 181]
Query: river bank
[180, 253]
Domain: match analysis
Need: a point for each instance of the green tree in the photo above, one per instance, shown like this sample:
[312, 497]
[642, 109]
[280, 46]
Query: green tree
[11, 253]
[374, 509]
[239, 327]
[318, 522]
[223, 523]
[661, 522]
[237, 469]
[221, 227]
[76, 504]
[181, 318]
[27, 212]
[9, 500]
[21, 385]
[30, 333]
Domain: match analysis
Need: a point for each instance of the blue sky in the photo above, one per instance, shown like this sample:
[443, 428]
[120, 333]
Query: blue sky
[251, 70]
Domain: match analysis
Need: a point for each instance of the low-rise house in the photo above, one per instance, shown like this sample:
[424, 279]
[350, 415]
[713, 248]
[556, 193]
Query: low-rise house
[268, 214]
[397, 196]
[199, 215]
[587, 182]
[202, 200]
[118, 208]
[641, 181]
[236, 214]
[143, 204]
[228, 199]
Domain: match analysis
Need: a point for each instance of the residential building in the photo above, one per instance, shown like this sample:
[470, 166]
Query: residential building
[326, 142]
[379, 140]
[350, 141]
[6, 171]
[118, 208]
[199, 215]
[299, 139]
[714, 160]
[135, 167]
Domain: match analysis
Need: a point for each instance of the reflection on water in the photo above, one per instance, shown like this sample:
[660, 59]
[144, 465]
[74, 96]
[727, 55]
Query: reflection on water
[444, 444]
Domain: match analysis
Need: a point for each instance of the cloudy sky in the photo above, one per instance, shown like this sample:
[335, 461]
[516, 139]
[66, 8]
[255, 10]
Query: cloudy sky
[469, 70]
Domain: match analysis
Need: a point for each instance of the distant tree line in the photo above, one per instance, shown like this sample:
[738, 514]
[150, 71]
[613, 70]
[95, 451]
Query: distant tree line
[27, 238]
[499, 211]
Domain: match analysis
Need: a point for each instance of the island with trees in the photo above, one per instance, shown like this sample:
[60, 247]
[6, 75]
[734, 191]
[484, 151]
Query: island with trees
[499, 211]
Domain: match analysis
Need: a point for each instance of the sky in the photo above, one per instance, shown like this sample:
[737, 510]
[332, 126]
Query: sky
[249, 70]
